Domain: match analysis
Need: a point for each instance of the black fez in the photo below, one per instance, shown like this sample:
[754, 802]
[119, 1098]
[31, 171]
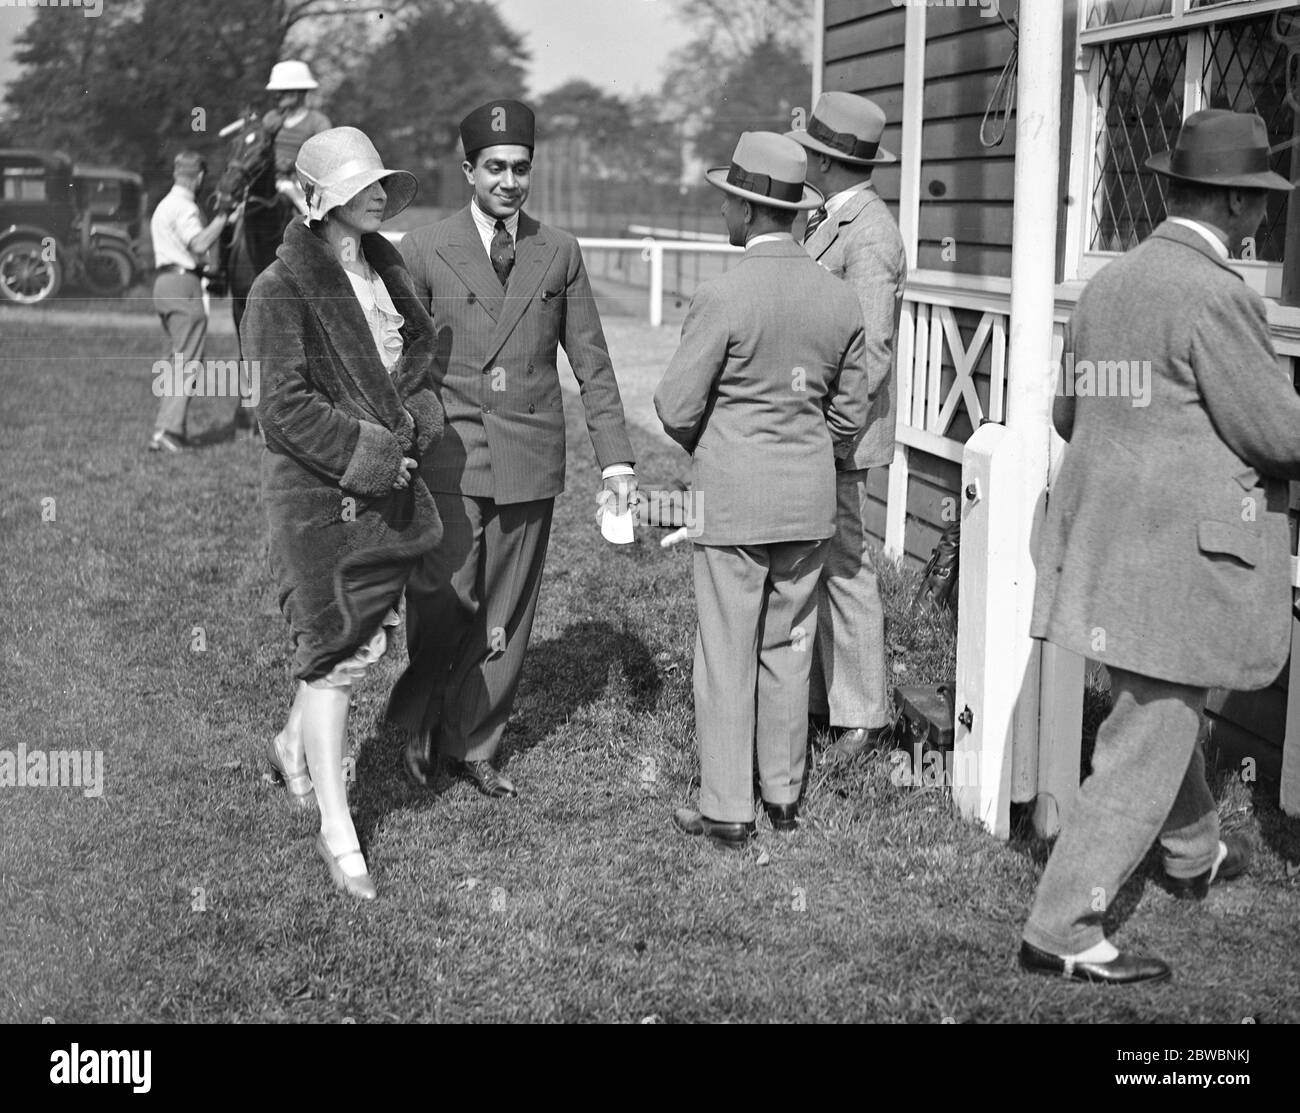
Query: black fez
[497, 123]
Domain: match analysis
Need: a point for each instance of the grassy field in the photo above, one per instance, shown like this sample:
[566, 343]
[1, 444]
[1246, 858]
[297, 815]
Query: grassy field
[139, 620]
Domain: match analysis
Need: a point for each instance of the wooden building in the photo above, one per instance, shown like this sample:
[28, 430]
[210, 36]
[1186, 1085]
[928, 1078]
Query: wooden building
[1122, 75]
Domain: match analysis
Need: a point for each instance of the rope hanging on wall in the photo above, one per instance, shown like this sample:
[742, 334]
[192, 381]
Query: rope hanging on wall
[1003, 101]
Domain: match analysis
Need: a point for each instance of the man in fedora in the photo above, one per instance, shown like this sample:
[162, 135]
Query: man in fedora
[504, 292]
[764, 391]
[1165, 552]
[855, 238]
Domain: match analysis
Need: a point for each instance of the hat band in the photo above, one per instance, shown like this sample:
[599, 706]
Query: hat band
[1220, 162]
[342, 173]
[844, 141]
[764, 184]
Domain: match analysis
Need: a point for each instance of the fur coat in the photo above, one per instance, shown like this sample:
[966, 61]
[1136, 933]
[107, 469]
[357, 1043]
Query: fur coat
[337, 424]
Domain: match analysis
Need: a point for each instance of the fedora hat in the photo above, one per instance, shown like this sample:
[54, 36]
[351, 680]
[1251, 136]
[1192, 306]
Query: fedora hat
[290, 75]
[769, 169]
[339, 163]
[848, 128]
[1219, 147]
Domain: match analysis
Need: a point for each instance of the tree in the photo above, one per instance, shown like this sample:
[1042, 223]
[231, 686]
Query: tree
[151, 76]
[746, 69]
[411, 92]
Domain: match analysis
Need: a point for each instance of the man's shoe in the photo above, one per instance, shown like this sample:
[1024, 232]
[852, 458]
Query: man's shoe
[1124, 969]
[419, 761]
[852, 742]
[487, 780]
[733, 836]
[1234, 861]
[784, 817]
[167, 442]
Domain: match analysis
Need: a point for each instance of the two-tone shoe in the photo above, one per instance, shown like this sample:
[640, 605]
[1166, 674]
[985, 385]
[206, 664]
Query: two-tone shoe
[1234, 860]
[487, 779]
[1123, 969]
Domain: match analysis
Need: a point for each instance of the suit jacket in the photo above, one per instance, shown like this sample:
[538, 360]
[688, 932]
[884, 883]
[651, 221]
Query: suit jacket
[861, 244]
[501, 388]
[1165, 549]
[768, 375]
[337, 424]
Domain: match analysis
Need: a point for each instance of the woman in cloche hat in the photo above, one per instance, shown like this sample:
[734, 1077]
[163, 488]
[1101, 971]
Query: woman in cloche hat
[346, 352]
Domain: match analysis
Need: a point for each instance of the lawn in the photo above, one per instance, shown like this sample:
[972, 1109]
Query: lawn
[140, 620]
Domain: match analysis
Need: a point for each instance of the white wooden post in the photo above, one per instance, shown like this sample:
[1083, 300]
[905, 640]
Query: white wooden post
[656, 283]
[998, 663]
[1290, 797]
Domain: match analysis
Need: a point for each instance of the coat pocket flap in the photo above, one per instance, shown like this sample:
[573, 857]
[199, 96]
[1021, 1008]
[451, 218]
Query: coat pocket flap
[1249, 479]
[1219, 538]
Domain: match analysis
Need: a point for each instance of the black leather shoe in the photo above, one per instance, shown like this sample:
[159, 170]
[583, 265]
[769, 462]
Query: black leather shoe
[733, 836]
[1235, 863]
[852, 742]
[784, 817]
[419, 761]
[487, 780]
[1124, 969]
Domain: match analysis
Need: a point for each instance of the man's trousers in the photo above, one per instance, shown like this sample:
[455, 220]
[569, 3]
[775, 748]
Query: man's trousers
[178, 299]
[848, 673]
[757, 608]
[1147, 783]
[469, 614]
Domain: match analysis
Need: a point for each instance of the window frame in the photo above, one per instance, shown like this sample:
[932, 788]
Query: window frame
[1082, 261]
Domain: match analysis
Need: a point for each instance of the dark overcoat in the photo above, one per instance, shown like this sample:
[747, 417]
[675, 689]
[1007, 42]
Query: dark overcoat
[337, 424]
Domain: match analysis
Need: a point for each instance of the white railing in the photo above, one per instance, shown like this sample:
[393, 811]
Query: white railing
[652, 251]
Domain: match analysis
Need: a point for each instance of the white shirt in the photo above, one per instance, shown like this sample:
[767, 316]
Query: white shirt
[769, 237]
[175, 223]
[487, 226]
[1206, 231]
[381, 315]
[837, 200]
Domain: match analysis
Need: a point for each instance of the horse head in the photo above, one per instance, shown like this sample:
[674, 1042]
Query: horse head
[252, 153]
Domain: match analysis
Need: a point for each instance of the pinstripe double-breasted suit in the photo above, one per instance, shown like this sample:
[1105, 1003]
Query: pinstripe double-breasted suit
[498, 467]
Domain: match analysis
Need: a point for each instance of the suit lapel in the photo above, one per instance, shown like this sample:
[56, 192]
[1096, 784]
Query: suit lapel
[465, 255]
[534, 251]
[825, 236]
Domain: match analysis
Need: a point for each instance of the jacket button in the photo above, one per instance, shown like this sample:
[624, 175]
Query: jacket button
[530, 368]
[531, 408]
[487, 409]
[471, 299]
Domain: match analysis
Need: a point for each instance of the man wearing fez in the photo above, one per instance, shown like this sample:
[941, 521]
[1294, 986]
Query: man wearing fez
[504, 292]
[855, 238]
[764, 392]
[1165, 553]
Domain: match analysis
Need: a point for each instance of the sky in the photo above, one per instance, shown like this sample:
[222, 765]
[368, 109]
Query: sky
[620, 45]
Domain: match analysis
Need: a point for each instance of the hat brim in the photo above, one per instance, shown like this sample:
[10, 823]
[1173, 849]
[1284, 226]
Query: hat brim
[1268, 180]
[883, 157]
[400, 185]
[811, 199]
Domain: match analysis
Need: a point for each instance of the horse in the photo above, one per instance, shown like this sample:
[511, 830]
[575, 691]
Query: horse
[247, 246]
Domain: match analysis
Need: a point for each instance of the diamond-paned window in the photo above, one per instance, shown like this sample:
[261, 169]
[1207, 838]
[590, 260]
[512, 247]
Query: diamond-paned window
[1140, 112]
[1104, 13]
[1245, 70]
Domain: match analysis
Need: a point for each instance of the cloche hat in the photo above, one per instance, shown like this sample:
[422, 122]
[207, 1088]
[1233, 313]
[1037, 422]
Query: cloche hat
[339, 163]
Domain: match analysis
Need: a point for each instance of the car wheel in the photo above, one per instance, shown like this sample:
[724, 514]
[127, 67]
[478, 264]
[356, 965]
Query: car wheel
[108, 272]
[26, 277]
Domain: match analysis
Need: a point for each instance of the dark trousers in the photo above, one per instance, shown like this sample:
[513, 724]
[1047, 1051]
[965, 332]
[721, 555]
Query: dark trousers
[469, 613]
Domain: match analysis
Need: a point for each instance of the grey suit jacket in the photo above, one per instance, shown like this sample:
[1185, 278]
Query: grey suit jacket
[861, 244]
[769, 375]
[504, 437]
[1165, 549]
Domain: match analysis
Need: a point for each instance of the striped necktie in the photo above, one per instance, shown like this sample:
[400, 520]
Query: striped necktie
[819, 214]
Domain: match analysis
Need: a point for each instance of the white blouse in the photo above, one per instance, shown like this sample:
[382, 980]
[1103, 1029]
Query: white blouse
[381, 315]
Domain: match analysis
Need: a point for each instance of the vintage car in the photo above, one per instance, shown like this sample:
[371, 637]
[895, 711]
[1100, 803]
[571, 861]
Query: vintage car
[116, 201]
[47, 236]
